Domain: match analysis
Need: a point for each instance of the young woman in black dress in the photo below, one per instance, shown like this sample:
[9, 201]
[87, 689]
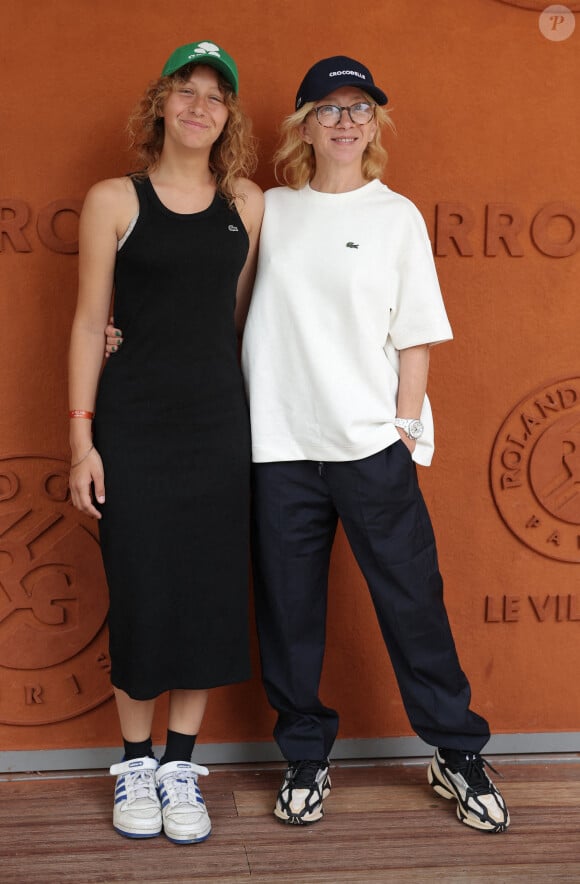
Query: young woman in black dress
[160, 439]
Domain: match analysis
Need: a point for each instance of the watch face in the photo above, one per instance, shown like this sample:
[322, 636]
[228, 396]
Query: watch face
[415, 429]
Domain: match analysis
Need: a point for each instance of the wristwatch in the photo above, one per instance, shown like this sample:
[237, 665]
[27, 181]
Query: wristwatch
[412, 427]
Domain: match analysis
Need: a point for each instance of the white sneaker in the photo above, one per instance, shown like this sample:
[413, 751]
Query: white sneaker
[137, 809]
[185, 817]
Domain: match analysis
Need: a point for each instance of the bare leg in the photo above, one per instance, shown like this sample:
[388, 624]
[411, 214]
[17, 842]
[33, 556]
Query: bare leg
[186, 710]
[135, 716]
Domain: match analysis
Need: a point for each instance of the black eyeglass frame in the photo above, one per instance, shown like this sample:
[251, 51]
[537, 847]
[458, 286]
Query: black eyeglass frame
[340, 109]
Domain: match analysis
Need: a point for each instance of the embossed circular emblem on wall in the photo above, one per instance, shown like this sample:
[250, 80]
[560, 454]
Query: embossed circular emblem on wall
[54, 661]
[535, 470]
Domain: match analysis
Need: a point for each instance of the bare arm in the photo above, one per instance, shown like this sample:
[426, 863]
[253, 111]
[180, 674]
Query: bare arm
[97, 250]
[251, 212]
[413, 373]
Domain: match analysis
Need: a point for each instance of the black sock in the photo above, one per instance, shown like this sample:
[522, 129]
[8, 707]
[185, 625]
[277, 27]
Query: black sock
[138, 750]
[179, 747]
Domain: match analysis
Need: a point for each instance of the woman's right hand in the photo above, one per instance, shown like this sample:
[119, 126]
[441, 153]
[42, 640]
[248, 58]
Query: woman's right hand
[114, 338]
[86, 477]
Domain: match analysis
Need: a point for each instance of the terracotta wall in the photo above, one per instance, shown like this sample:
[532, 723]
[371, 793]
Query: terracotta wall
[486, 108]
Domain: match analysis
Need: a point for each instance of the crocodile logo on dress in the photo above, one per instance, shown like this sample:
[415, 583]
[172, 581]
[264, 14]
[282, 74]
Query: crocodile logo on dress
[232, 228]
[352, 245]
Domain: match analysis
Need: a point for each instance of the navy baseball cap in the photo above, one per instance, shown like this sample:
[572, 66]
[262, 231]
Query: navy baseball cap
[331, 73]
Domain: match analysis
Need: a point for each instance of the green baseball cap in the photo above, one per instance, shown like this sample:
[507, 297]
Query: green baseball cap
[204, 52]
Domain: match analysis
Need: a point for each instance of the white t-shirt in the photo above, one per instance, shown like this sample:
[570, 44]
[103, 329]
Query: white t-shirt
[344, 281]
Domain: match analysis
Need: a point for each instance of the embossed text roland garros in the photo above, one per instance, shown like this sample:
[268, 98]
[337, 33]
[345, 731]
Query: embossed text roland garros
[553, 229]
[535, 470]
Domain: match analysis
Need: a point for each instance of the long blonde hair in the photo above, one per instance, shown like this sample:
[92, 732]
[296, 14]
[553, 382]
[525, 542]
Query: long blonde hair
[294, 159]
[232, 156]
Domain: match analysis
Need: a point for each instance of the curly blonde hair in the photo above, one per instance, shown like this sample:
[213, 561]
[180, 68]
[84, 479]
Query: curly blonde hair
[294, 159]
[232, 156]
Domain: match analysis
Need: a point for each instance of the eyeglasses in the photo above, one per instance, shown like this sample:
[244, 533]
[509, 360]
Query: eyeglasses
[329, 115]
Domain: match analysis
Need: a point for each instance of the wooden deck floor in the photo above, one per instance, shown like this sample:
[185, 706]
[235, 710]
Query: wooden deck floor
[382, 824]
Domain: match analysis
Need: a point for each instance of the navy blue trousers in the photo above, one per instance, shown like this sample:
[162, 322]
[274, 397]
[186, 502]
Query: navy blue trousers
[296, 507]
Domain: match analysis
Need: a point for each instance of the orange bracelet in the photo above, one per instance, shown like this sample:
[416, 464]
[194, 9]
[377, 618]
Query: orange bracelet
[78, 412]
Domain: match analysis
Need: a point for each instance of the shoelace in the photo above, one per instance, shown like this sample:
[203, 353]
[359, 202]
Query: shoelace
[473, 771]
[140, 784]
[304, 773]
[181, 789]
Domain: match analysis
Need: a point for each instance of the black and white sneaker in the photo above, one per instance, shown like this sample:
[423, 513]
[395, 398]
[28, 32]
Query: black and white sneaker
[461, 775]
[306, 785]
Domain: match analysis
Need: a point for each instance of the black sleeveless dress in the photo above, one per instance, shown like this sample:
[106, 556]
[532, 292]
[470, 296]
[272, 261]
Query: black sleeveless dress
[172, 427]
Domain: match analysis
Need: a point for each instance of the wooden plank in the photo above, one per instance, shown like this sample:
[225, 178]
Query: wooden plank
[520, 874]
[363, 799]
[383, 824]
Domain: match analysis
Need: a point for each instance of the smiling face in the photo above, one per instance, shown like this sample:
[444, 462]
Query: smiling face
[345, 143]
[195, 112]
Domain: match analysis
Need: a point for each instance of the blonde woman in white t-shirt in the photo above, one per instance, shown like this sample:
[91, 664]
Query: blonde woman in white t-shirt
[345, 308]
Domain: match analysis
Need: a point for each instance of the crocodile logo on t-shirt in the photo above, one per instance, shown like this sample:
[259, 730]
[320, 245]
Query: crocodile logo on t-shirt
[352, 245]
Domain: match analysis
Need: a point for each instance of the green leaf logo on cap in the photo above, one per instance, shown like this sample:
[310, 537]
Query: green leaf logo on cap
[204, 52]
